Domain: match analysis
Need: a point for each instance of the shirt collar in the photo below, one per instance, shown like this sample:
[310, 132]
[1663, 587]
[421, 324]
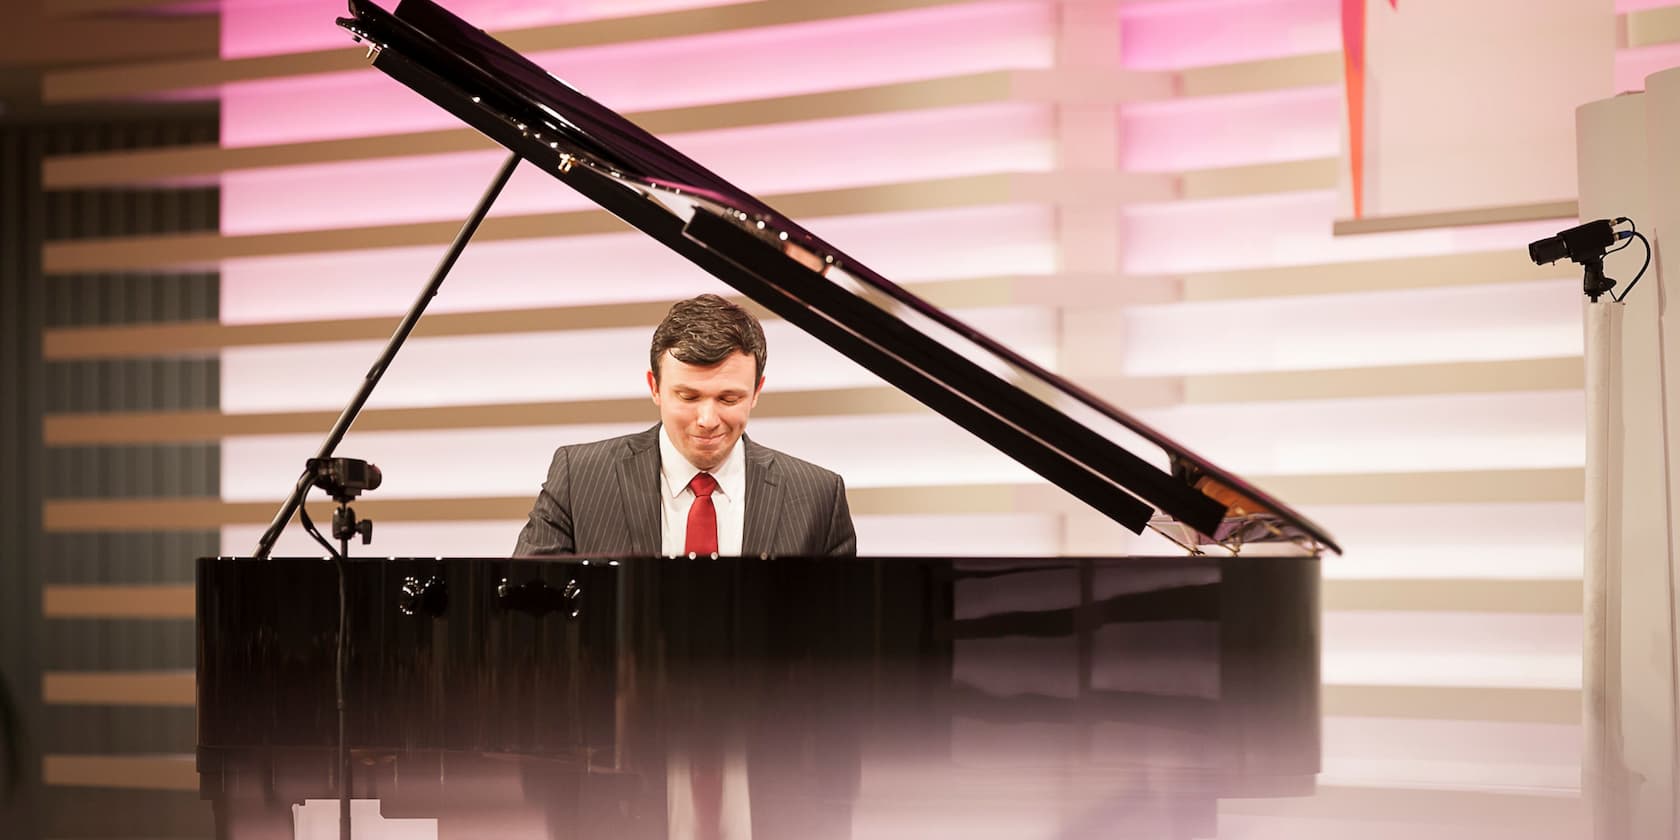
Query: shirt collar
[677, 472]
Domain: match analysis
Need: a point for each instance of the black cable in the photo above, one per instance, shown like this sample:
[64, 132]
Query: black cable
[1627, 239]
[309, 527]
[338, 685]
[1647, 264]
[338, 670]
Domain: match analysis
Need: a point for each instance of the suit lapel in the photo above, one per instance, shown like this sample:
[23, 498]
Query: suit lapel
[764, 502]
[638, 487]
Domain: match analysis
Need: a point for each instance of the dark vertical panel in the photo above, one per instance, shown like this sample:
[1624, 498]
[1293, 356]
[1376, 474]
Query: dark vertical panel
[22, 310]
[74, 472]
[114, 644]
[90, 813]
[144, 729]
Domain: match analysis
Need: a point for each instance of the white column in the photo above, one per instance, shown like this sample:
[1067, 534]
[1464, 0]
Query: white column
[1628, 658]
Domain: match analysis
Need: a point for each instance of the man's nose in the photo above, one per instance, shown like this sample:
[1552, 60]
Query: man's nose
[706, 413]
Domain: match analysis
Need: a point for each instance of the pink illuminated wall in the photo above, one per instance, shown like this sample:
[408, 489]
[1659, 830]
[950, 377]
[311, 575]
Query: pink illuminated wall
[1021, 239]
[271, 27]
[1264, 142]
[1157, 36]
[767, 160]
[1206, 132]
[672, 72]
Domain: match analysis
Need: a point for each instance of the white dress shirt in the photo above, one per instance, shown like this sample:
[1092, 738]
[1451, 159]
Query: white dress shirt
[729, 499]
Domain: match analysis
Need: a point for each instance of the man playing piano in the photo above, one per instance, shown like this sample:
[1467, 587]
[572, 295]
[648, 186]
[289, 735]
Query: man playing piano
[694, 483]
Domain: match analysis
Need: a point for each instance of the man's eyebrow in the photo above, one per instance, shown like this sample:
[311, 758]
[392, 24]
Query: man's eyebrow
[724, 392]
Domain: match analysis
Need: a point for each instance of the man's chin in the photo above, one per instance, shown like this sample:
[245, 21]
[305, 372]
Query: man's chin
[708, 456]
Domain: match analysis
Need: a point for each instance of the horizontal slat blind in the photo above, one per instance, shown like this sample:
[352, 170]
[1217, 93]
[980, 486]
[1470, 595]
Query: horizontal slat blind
[1138, 194]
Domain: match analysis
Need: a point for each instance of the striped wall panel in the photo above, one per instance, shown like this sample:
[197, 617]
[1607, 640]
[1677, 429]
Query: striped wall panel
[93, 648]
[1139, 193]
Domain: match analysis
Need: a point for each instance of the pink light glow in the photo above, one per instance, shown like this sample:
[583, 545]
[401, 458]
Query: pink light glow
[269, 27]
[1633, 65]
[1636, 5]
[968, 242]
[1286, 229]
[994, 786]
[318, 818]
[771, 61]
[1374, 751]
[1213, 131]
[764, 160]
[1197, 33]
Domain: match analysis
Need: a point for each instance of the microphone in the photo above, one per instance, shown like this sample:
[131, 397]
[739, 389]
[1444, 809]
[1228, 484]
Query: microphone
[1582, 243]
[344, 478]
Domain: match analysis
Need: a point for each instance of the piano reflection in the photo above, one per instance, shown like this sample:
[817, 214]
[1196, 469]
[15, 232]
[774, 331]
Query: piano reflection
[775, 697]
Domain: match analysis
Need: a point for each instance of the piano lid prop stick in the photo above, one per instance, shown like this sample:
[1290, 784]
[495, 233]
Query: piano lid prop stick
[375, 373]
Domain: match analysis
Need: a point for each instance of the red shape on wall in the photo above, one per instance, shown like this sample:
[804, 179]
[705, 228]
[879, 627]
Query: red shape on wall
[1353, 71]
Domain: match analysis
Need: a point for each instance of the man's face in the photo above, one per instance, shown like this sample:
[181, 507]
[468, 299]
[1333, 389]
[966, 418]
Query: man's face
[704, 409]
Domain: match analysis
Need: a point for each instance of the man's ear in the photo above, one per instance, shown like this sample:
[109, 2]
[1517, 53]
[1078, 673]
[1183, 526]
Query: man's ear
[653, 387]
[757, 391]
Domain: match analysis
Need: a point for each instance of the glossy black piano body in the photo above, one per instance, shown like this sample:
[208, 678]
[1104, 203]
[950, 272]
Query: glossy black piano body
[558, 694]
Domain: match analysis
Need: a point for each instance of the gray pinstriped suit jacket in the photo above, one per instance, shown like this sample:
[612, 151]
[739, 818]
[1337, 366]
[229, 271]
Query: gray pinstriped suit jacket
[603, 498]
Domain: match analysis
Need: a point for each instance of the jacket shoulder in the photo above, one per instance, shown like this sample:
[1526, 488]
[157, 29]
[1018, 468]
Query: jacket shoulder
[797, 469]
[609, 448]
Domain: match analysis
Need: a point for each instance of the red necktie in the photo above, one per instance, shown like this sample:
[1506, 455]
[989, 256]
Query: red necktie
[702, 536]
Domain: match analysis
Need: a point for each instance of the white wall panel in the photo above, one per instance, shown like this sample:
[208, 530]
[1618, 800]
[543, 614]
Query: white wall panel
[1485, 650]
[982, 241]
[529, 367]
[1366, 329]
[1394, 434]
[1530, 541]
[1286, 229]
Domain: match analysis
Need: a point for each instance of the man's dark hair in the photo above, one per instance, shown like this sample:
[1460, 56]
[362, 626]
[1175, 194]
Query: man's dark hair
[706, 330]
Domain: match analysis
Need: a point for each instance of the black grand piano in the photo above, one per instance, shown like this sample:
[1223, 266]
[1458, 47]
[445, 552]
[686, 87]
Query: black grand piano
[771, 697]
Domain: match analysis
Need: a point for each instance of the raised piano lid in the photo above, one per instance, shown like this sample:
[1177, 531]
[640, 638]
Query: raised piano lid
[1059, 430]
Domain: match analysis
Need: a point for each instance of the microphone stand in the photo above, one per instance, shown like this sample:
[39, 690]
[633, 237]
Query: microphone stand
[1593, 282]
[374, 374]
[344, 526]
